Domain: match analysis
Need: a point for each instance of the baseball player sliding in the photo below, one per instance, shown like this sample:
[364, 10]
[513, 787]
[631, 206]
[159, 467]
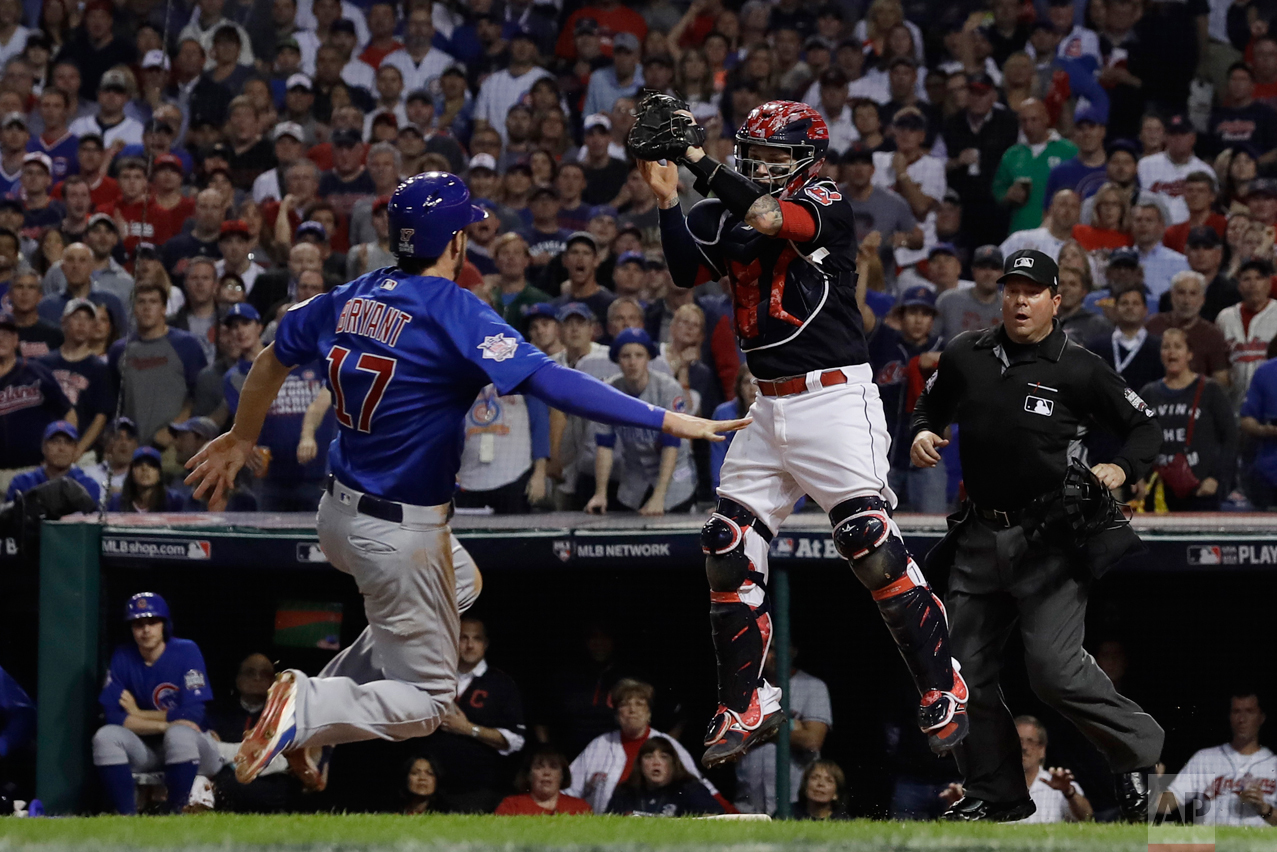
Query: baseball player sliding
[407, 352]
[785, 240]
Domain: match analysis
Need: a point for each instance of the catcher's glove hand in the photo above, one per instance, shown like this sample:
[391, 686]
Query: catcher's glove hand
[660, 134]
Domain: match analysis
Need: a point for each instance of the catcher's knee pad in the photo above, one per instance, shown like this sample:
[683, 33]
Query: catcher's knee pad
[735, 547]
[866, 537]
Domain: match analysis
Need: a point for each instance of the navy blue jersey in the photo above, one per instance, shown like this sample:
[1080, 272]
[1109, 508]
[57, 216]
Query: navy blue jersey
[794, 304]
[282, 428]
[889, 355]
[87, 384]
[30, 399]
[176, 683]
[405, 355]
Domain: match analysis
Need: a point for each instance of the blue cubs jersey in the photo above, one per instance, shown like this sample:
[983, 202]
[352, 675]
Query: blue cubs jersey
[176, 683]
[405, 357]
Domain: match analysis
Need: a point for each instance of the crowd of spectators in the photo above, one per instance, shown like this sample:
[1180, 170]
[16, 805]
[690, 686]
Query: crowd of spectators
[174, 174]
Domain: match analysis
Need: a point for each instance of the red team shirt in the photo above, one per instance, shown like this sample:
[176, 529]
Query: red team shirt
[103, 193]
[157, 228]
[525, 805]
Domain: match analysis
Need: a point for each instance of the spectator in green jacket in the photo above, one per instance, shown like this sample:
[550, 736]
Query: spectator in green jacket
[510, 253]
[1020, 183]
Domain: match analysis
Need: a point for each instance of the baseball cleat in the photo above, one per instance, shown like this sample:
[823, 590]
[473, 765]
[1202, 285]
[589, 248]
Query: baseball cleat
[971, 809]
[732, 734]
[942, 716]
[275, 730]
[310, 765]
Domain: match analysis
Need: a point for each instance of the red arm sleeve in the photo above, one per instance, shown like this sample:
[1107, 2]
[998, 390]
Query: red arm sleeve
[796, 222]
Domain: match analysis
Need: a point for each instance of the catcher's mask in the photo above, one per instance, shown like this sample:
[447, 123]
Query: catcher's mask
[789, 126]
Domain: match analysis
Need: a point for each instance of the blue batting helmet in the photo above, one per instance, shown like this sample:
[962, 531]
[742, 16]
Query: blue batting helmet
[146, 605]
[426, 211]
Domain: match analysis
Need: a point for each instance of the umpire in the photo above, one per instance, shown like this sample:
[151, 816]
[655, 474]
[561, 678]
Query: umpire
[1023, 396]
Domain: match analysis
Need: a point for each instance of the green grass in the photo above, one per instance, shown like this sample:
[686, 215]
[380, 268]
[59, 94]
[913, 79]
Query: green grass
[582, 834]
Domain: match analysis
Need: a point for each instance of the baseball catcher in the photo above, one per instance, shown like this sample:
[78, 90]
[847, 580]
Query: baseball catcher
[785, 239]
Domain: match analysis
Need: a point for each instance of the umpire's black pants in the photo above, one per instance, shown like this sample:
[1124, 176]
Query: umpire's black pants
[998, 580]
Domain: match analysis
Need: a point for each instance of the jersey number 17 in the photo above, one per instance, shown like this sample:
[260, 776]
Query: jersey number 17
[382, 370]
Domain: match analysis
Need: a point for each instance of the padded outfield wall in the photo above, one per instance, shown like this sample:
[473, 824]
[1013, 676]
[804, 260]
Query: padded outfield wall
[1194, 613]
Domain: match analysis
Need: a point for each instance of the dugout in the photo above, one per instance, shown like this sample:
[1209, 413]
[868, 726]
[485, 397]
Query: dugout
[1193, 613]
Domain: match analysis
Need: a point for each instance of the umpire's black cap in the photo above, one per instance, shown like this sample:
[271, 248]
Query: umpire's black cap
[1034, 265]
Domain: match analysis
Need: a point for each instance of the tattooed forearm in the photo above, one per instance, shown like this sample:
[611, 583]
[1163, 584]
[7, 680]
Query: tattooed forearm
[764, 215]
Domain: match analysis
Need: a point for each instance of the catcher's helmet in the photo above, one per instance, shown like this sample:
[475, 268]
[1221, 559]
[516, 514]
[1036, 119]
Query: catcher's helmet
[784, 124]
[426, 211]
[148, 605]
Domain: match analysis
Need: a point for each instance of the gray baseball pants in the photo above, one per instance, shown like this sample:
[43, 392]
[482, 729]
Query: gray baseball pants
[115, 745]
[394, 682]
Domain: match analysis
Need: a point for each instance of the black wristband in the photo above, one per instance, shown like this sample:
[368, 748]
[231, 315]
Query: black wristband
[735, 190]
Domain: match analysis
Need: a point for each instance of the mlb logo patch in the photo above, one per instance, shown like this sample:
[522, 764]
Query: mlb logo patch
[498, 347]
[1023, 261]
[1038, 405]
[563, 550]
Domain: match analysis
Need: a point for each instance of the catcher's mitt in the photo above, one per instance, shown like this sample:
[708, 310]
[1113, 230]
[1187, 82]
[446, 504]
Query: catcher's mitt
[659, 134]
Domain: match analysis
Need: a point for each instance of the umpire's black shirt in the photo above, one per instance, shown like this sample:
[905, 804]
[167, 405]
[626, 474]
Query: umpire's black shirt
[1021, 407]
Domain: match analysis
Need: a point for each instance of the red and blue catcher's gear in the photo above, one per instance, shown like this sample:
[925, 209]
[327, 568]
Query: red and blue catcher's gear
[794, 292]
[426, 211]
[793, 126]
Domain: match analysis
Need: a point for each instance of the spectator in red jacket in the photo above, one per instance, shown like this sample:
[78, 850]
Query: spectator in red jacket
[544, 775]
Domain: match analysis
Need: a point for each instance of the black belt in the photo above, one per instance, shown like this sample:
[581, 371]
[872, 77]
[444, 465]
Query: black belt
[996, 516]
[375, 507]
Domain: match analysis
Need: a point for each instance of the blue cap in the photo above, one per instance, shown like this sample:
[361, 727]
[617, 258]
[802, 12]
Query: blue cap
[1130, 146]
[146, 605]
[603, 210]
[61, 427]
[1091, 114]
[123, 424]
[426, 211]
[576, 309]
[1125, 256]
[632, 335]
[942, 248]
[632, 257]
[146, 454]
[540, 309]
[241, 310]
[311, 228]
[918, 296]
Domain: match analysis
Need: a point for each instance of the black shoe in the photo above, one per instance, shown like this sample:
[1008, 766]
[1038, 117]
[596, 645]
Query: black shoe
[970, 809]
[1132, 795]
